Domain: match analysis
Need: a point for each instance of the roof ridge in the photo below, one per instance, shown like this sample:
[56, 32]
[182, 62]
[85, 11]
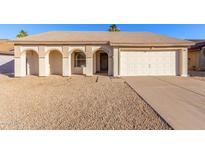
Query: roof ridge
[96, 31]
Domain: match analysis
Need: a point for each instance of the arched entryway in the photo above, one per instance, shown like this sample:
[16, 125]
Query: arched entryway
[55, 62]
[78, 62]
[32, 63]
[100, 62]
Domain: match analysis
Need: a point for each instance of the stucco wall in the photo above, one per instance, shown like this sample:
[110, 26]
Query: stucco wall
[65, 65]
[196, 60]
[193, 60]
[32, 63]
[6, 63]
[202, 60]
[55, 63]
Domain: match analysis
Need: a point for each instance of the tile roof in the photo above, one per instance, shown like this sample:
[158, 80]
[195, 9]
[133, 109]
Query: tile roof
[199, 44]
[6, 47]
[112, 38]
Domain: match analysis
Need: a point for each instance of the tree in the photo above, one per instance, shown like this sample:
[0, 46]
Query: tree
[114, 28]
[21, 34]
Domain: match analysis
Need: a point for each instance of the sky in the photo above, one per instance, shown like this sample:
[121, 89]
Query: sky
[181, 31]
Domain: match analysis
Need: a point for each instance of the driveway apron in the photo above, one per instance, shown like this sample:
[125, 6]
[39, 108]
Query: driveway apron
[180, 101]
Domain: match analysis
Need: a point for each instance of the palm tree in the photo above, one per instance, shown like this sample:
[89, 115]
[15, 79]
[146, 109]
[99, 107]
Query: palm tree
[114, 28]
[21, 34]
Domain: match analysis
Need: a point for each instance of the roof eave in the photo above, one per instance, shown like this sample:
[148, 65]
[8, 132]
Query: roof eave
[152, 44]
[16, 42]
[6, 53]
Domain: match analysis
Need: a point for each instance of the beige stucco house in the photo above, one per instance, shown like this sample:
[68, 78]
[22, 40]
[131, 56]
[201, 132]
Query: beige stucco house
[115, 53]
[196, 55]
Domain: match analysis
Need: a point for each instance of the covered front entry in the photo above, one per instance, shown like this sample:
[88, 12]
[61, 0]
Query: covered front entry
[144, 63]
[100, 62]
[32, 63]
[103, 62]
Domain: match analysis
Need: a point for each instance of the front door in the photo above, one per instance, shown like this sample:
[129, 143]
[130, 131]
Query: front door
[103, 62]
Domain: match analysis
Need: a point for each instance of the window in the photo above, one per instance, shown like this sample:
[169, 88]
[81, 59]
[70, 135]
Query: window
[80, 60]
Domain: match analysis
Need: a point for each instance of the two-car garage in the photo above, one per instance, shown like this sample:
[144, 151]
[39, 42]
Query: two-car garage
[144, 63]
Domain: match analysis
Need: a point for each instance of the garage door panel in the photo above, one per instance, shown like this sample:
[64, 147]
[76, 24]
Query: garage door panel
[135, 63]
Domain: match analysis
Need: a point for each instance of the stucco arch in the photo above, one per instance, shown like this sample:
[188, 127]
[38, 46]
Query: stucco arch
[76, 49]
[104, 49]
[97, 60]
[100, 61]
[24, 51]
[100, 49]
[53, 49]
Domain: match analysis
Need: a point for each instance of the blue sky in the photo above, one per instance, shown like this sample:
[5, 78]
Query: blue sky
[183, 31]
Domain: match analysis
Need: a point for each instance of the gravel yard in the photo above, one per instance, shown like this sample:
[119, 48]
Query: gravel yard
[76, 102]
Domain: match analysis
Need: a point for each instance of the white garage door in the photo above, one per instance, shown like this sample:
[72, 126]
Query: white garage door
[134, 63]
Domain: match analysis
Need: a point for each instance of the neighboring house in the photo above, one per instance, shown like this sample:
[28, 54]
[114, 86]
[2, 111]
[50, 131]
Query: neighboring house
[196, 55]
[6, 56]
[114, 53]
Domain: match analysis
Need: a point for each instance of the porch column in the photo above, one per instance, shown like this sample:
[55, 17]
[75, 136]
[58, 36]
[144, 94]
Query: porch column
[115, 62]
[89, 61]
[20, 66]
[43, 66]
[43, 62]
[184, 62]
[110, 66]
[66, 66]
[69, 65]
[19, 63]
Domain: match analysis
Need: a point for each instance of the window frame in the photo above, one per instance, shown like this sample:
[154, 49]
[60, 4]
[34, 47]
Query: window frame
[78, 60]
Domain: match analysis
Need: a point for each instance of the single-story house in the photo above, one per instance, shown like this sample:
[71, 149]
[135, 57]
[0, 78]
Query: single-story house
[114, 53]
[6, 57]
[196, 55]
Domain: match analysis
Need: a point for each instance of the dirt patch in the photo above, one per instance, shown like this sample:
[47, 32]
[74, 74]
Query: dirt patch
[77, 102]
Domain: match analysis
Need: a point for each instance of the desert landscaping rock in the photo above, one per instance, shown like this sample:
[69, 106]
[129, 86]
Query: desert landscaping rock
[75, 102]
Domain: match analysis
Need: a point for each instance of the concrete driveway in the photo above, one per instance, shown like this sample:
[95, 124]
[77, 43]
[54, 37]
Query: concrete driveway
[180, 101]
